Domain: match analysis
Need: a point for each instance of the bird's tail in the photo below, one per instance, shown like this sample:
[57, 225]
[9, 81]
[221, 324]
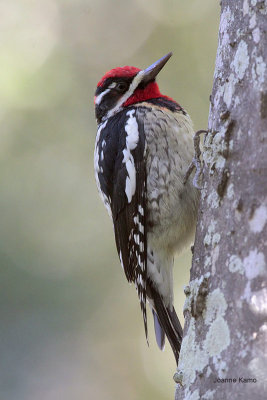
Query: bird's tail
[166, 323]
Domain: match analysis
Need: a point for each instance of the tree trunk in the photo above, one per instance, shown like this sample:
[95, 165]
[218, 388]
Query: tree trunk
[225, 337]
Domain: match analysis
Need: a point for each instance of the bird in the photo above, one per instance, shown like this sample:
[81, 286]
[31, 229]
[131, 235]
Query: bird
[144, 144]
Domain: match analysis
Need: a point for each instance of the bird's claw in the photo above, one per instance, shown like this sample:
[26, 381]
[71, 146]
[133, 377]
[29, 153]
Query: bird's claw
[196, 162]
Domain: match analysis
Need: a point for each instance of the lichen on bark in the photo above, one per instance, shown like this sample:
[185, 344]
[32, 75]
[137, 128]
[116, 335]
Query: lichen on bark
[225, 337]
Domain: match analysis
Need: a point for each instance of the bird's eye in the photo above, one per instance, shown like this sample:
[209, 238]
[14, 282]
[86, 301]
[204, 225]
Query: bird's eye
[121, 86]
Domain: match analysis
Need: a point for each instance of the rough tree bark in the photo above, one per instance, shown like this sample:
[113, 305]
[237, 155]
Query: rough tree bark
[225, 338]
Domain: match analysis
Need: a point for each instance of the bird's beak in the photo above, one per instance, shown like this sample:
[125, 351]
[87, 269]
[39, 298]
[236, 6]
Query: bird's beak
[152, 71]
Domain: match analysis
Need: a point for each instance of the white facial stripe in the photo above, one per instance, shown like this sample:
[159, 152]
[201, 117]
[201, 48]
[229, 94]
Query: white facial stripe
[101, 95]
[126, 95]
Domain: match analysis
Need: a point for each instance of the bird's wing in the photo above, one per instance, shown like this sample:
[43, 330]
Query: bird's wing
[122, 178]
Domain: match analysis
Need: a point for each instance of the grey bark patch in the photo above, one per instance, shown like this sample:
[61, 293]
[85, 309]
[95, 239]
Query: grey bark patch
[222, 354]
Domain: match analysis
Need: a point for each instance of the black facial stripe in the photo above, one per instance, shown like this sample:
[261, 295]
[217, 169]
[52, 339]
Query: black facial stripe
[111, 98]
[108, 101]
[108, 82]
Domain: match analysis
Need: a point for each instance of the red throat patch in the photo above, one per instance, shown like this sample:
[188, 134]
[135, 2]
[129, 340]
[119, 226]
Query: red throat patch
[151, 91]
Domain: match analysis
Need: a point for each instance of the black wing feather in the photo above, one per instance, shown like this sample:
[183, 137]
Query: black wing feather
[129, 219]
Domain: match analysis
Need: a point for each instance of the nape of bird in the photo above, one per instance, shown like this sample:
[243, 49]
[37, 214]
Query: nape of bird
[143, 148]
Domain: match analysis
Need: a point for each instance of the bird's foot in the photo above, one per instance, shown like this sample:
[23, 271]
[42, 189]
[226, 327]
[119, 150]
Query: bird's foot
[196, 163]
[178, 377]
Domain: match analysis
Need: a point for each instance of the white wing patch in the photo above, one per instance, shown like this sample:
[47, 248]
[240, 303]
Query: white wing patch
[132, 139]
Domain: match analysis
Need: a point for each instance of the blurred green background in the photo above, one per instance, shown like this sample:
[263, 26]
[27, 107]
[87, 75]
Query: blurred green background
[71, 326]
